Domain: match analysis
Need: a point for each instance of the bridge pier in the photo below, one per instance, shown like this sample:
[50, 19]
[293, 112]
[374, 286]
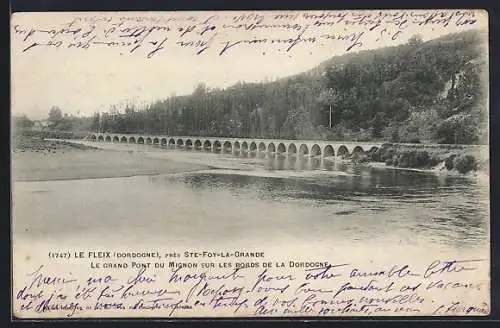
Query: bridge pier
[289, 148]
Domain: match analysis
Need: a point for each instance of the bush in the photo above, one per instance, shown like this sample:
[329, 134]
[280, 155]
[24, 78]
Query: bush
[448, 162]
[361, 158]
[434, 160]
[465, 163]
[408, 158]
[395, 160]
[383, 154]
[421, 158]
[376, 155]
[405, 159]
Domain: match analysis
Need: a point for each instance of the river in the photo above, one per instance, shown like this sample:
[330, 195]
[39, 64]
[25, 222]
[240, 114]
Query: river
[259, 202]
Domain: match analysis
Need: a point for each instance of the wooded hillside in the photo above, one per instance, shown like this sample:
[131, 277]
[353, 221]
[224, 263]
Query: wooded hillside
[417, 92]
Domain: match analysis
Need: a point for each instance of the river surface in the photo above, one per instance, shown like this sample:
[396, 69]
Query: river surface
[260, 202]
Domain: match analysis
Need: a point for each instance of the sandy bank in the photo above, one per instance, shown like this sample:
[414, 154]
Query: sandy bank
[91, 164]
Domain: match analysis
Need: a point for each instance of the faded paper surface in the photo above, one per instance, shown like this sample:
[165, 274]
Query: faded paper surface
[154, 241]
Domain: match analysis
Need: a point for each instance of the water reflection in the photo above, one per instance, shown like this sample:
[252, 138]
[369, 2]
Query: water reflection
[263, 197]
[449, 210]
[360, 179]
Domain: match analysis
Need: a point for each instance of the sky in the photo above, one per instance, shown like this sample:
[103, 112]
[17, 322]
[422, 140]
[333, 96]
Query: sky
[84, 81]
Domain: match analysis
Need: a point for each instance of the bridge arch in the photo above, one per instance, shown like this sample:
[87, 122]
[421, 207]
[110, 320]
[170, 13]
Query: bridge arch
[343, 151]
[315, 150]
[328, 151]
[324, 149]
[358, 150]
[227, 146]
[303, 150]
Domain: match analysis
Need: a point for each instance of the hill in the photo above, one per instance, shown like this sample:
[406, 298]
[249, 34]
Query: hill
[417, 92]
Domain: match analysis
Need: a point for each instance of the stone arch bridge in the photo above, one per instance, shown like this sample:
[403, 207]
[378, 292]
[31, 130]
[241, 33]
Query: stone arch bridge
[312, 148]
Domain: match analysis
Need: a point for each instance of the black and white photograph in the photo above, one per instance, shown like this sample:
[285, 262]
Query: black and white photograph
[250, 164]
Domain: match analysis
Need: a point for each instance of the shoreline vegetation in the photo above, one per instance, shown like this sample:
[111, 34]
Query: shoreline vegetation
[463, 161]
[417, 92]
[38, 159]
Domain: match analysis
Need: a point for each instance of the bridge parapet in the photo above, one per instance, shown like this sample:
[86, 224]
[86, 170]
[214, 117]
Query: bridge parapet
[321, 148]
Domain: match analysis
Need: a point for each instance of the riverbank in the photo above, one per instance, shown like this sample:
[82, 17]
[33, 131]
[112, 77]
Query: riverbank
[35, 159]
[460, 161]
[42, 160]
[25, 143]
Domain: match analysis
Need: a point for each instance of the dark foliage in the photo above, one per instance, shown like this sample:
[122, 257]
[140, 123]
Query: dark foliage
[416, 92]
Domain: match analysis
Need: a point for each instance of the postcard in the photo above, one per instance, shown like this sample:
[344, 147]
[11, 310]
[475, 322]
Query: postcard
[250, 164]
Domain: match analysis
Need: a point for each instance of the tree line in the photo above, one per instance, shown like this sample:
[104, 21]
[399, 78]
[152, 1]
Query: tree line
[417, 92]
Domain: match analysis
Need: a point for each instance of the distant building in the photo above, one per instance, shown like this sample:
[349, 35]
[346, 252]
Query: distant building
[39, 126]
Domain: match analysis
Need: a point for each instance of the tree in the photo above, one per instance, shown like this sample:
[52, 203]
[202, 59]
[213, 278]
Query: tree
[377, 125]
[55, 116]
[22, 121]
[458, 129]
[396, 93]
[95, 122]
[415, 40]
